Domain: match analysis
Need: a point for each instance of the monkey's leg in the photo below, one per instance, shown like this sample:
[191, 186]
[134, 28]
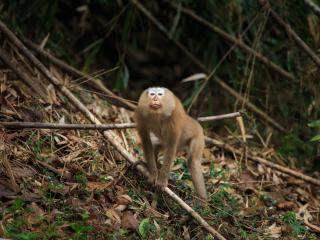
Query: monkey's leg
[157, 150]
[195, 168]
[169, 155]
[148, 151]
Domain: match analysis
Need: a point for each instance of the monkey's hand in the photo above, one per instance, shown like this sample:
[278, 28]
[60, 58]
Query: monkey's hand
[138, 162]
[161, 183]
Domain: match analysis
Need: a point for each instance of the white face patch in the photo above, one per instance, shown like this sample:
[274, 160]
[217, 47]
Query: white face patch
[156, 91]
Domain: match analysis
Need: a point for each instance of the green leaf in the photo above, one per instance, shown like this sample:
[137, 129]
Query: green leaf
[123, 78]
[144, 227]
[316, 138]
[314, 124]
[212, 169]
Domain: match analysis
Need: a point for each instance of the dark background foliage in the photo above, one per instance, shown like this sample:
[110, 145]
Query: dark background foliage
[102, 34]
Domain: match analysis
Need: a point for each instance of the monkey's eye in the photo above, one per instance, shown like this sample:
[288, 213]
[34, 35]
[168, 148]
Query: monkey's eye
[160, 94]
[152, 94]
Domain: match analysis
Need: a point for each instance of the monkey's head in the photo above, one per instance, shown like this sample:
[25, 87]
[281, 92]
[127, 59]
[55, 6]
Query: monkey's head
[158, 100]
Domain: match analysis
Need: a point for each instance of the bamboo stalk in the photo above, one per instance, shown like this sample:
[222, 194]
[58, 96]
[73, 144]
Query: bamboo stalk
[239, 43]
[96, 85]
[110, 136]
[265, 4]
[313, 6]
[222, 84]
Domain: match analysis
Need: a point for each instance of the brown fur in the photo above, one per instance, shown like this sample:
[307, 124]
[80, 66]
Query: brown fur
[175, 131]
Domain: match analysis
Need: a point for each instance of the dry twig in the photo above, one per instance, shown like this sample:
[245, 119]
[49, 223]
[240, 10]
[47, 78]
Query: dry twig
[278, 167]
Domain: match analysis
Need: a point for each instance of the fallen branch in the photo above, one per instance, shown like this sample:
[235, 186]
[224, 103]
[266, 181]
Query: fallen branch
[42, 125]
[235, 41]
[222, 84]
[96, 85]
[278, 167]
[96, 126]
[110, 136]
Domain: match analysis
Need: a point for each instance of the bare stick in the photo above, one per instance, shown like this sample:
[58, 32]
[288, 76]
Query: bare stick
[222, 84]
[97, 126]
[218, 117]
[291, 32]
[67, 126]
[96, 85]
[239, 43]
[265, 162]
[110, 136]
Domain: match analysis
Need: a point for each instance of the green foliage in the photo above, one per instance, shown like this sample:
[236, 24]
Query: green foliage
[293, 146]
[81, 178]
[90, 58]
[120, 234]
[297, 225]
[17, 206]
[122, 78]
[226, 204]
[212, 169]
[80, 230]
[316, 125]
[268, 200]
[37, 145]
[145, 227]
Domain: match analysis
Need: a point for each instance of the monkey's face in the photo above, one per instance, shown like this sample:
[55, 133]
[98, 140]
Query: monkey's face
[155, 96]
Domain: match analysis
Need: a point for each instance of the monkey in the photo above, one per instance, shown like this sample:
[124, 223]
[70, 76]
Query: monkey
[163, 124]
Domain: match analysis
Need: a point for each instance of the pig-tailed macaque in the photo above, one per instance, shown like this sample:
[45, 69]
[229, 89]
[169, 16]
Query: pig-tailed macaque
[163, 124]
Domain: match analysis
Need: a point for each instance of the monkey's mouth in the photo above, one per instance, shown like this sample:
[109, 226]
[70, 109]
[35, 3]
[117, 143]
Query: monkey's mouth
[155, 106]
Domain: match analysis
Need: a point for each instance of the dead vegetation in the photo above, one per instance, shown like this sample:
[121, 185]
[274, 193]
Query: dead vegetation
[59, 184]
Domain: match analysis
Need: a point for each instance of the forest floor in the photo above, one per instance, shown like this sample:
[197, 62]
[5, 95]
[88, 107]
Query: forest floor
[72, 184]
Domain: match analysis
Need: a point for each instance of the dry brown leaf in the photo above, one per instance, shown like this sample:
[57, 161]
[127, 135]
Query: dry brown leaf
[207, 154]
[274, 231]
[36, 209]
[71, 157]
[124, 199]
[129, 221]
[97, 186]
[304, 214]
[113, 215]
[286, 205]
[22, 172]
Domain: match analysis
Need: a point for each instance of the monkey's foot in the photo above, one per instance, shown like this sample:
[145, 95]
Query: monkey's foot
[136, 163]
[161, 184]
[152, 178]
